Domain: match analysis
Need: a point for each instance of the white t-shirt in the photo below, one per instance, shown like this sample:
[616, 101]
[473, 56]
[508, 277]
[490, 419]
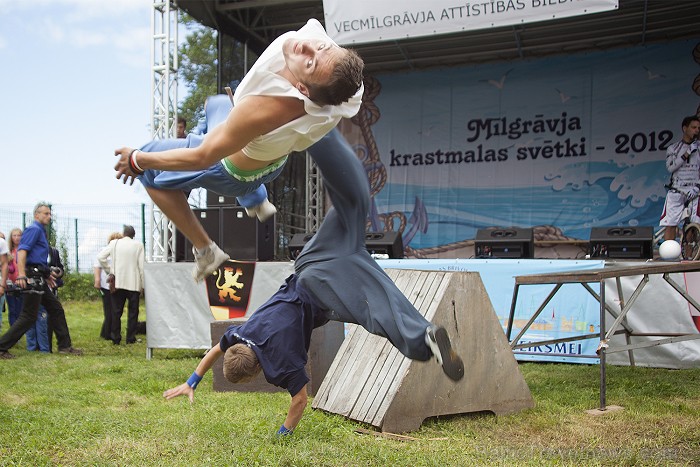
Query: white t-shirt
[299, 134]
[103, 275]
[3, 247]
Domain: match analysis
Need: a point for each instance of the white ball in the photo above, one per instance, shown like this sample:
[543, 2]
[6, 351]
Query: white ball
[670, 249]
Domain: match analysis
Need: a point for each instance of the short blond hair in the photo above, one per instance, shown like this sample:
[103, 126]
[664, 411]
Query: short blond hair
[240, 364]
[114, 236]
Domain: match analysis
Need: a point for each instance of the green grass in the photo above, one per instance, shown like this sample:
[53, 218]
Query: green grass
[106, 408]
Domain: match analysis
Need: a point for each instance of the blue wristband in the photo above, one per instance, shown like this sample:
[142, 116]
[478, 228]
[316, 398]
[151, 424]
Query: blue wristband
[284, 431]
[194, 380]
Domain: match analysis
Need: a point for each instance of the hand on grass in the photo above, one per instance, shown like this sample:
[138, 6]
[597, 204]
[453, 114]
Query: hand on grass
[181, 390]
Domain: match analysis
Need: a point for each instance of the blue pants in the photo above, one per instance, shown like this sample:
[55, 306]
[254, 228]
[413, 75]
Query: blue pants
[14, 306]
[214, 178]
[38, 335]
[31, 302]
[335, 267]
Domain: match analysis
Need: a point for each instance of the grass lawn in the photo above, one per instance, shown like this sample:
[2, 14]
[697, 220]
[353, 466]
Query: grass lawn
[106, 408]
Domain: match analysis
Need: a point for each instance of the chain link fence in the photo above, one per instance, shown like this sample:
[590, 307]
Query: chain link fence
[81, 231]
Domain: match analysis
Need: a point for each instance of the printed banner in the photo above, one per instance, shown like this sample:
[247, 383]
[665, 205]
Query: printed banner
[372, 21]
[571, 312]
[559, 145]
[228, 289]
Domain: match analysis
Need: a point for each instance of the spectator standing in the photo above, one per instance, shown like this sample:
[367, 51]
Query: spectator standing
[14, 301]
[33, 279]
[181, 127]
[102, 285]
[127, 257]
[4, 254]
[41, 336]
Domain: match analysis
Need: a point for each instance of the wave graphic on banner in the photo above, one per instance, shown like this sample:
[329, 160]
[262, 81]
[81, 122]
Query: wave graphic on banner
[608, 195]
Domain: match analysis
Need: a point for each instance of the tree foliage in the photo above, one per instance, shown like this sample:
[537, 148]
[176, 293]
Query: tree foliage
[198, 67]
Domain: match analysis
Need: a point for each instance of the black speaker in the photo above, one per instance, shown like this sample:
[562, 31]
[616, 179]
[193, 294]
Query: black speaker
[384, 243]
[508, 242]
[622, 242]
[297, 242]
[211, 221]
[242, 237]
[381, 243]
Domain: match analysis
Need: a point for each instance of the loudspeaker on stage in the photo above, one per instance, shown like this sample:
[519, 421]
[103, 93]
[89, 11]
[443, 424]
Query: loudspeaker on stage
[622, 242]
[379, 243]
[510, 242]
[242, 237]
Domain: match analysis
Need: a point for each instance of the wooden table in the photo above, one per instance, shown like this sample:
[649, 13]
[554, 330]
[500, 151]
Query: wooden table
[620, 325]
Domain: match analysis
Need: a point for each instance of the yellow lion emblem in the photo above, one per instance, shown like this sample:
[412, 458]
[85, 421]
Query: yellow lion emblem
[230, 281]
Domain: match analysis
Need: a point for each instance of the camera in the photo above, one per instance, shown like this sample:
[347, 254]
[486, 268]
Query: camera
[34, 285]
[12, 289]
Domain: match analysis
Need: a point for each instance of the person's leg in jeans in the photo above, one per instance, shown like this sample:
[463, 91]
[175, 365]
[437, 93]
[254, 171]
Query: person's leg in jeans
[37, 336]
[25, 320]
[133, 317]
[14, 307]
[118, 298]
[43, 336]
[30, 336]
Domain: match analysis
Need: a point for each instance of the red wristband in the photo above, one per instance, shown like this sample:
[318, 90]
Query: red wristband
[133, 165]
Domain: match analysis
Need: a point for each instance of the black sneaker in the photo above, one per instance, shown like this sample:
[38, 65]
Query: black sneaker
[70, 351]
[439, 343]
[5, 355]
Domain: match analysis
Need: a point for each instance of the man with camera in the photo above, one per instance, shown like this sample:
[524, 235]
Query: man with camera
[34, 281]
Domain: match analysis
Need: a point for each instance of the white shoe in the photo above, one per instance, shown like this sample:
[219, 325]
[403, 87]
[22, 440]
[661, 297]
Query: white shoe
[208, 261]
[263, 211]
[439, 342]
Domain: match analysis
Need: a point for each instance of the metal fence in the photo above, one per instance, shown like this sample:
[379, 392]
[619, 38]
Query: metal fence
[81, 231]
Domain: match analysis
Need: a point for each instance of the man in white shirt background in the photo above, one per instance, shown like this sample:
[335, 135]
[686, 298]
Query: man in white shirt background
[126, 268]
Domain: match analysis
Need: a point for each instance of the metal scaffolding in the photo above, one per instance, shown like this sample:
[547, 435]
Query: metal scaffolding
[164, 84]
[315, 198]
[164, 67]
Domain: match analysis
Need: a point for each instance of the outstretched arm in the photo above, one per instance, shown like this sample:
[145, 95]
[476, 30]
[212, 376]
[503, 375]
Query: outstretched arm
[189, 387]
[296, 410]
[250, 118]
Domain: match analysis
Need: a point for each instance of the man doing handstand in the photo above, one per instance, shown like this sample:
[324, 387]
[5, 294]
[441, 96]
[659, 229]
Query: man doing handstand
[335, 279]
[295, 93]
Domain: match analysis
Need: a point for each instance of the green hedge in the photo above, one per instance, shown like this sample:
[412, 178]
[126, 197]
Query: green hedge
[78, 286]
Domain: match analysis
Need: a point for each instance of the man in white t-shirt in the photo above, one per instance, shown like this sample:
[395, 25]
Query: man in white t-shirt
[295, 93]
